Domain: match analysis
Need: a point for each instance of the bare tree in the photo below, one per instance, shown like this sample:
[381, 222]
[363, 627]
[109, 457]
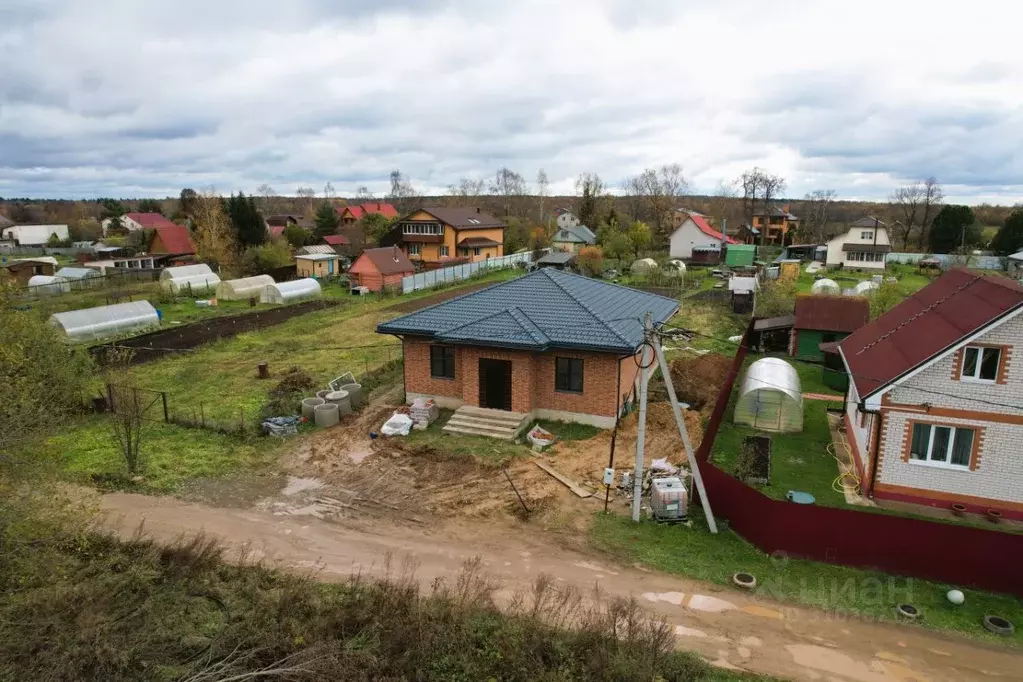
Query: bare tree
[507, 184]
[467, 192]
[634, 198]
[363, 193]
[723, 206]
[906, 202]
[662, 189]
[542, 189]
[933, 195]
[749, 183]
[128, 406]
[818, 204]
[268, 199]
[403, 195]
[307, 199]
[328, 192]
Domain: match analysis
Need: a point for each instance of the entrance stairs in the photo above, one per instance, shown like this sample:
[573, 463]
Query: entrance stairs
[482, 421]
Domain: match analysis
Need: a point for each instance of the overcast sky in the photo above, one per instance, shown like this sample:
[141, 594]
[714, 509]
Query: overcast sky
[141, 98]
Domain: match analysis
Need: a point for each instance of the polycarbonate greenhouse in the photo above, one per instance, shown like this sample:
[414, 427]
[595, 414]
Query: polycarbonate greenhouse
[46, 285]
[770, 397]
[90, 324]
[864, 288]
[189, 279]
[78, 273]
[241, 289]
[826, 286]
[290, 292]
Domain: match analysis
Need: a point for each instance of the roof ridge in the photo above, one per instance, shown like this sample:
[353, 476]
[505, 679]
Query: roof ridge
[528, 325]
[606, 323]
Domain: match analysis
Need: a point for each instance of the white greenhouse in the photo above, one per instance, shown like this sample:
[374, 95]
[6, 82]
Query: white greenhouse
[189, 279]
[770, 397]
[90, 324]
[244, 288]
[864, 288]
[45, 285]
[291, 292]
[826, 287]
[78, 273]
[643, 265]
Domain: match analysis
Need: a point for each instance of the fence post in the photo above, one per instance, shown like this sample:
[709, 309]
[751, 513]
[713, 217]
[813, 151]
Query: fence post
[110, 396]
[166, 417]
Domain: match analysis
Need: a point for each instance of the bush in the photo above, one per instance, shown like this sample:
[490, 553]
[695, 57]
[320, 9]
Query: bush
[590, 260]
[272, 254]
[285, 398]
[777, 297]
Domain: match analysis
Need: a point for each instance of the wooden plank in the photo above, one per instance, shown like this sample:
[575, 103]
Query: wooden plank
[569, 483]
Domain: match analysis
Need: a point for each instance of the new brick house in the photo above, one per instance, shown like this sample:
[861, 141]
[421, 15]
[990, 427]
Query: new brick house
[436, 237]
[934, 409]
[550, 344]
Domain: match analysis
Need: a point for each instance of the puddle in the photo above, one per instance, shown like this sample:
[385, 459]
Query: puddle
[835, 662]
[298, 485]
[696, 602]
[239, 492]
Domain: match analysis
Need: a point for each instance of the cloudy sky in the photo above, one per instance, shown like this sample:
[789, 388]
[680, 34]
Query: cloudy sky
[142, 98]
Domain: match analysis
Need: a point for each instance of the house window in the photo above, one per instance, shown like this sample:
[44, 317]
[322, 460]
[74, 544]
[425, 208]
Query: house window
[442, 362]
[568, 375]
[476, 251]
[415, 249]
[869, 234]
[443, 251]
[942, 445]
[980, 364]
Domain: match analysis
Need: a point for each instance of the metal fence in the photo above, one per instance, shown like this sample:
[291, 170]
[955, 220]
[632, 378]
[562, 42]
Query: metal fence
[950, 260]
[427, 280]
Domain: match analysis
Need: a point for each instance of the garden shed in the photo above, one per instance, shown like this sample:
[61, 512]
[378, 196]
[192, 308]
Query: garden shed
[770, 397]
[89, 324]
[291, 292]
[189, 279]
[823, 319]
[244, 288]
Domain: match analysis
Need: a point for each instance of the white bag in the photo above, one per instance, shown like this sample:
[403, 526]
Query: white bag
[397, 425]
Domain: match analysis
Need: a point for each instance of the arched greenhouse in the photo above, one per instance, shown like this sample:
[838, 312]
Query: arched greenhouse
[291, 292]
[770, 397]
[89, 324]
[189, 279]
[244, 288]
[45, 285]
[826, 287]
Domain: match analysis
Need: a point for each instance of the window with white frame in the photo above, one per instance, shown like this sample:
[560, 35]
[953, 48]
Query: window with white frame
[443, 251]
[980, 363]
[942, 445]
[415, 249]
[869, 234]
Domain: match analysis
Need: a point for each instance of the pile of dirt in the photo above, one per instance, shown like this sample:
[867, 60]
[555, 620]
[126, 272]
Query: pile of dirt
[698, 379]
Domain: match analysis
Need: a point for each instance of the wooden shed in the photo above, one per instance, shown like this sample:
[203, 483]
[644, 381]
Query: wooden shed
[379, 268]
[22, 270]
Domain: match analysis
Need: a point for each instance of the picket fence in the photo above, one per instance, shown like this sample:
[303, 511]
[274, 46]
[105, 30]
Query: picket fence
[426, 280]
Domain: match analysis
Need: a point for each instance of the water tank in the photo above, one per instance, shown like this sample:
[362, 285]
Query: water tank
[668, 499]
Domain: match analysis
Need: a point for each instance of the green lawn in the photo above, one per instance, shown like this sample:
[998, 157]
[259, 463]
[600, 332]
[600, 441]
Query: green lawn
[843, 591]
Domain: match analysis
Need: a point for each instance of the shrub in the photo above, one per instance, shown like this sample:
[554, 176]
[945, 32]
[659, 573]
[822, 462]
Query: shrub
[590, 260]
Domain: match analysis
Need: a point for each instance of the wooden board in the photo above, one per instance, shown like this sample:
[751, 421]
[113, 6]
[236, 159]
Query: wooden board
[569, 483]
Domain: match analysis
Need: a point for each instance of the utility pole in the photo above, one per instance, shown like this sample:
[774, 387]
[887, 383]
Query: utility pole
[644, 379]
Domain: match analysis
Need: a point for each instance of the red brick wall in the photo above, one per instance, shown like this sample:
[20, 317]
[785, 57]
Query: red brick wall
[532, 378]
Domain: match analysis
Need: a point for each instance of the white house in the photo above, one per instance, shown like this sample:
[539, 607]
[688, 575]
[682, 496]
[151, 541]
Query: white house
[35, 235]
[566, 219]
[863, 246]
[695, 233]
[138, 221]
[934, 410]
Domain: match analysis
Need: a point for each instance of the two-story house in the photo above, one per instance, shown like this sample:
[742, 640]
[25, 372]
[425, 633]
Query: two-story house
[863, 246]
[934, 410]
[353, 213]
[438, 237]
[778, 222]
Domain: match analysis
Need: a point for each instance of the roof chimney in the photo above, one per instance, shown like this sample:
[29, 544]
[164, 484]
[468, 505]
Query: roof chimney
[477, 209]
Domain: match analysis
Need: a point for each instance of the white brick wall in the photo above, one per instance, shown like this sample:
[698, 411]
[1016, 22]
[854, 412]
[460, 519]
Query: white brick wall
[1000, 473]
[861, 436]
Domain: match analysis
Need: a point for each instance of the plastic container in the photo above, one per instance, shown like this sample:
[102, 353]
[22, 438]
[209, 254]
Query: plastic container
[309, 406]
[668, 499]
[326, 415]
[354, 394]
[342, 400]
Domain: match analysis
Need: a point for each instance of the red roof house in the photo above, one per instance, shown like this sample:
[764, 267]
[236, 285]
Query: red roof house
[146, 221]
[933, 410]
[379, 268]
[825, 319]
[171, 239]
[336, 240]
[695, 234]
[356, 212]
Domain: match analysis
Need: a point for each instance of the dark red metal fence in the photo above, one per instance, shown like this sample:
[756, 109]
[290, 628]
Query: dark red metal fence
[955, 554]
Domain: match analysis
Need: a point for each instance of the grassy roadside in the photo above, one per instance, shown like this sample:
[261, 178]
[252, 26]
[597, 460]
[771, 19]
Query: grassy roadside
[841, 591]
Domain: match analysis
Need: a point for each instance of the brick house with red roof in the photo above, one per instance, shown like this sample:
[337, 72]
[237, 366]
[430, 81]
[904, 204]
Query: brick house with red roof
[695, 239]
[934, 409]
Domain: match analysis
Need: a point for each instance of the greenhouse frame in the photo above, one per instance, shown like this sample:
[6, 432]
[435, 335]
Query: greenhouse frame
[47, 285]
[826, 287]
[244, 288]
[770, 397]
[290, 292]
[865, 288]
[189, 279]
[69, 273]
[89, 324]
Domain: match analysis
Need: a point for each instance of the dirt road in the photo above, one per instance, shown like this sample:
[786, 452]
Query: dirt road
[725, 626]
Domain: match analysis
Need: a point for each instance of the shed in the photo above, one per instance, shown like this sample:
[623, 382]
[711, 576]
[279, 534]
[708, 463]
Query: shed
[379, 268]
[789, 269]
[241, 289]
[24, 269]
[772, 334]
[317, 264]
[740, 254]
[556, 259]
[90, 324]
[743, 294]
[823, 319]
[824, 287]
[770, 397]
[291, 292]
[46, 285]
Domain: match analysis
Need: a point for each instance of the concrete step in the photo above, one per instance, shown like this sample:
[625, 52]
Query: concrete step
[466, 420]
[479, 421]
[488, 413]
[476, 431]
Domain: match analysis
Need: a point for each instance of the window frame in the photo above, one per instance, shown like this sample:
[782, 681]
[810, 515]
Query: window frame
[415, 249]
[568, 375]
[867, 234]
[447, 360]
[979, 364]
[946, 463]
[443, 250]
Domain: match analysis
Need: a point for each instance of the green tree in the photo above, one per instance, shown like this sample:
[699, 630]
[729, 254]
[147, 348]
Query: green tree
[112, 208]
[516, 236]
[115, 226]
[259, 259]
[187, 202]
[953, 227]
[296, 236]
[374, 227]
[54, 241]
[618, 246]
[249, 226]
[150, 206]
[591, 204]
[327, 220]
[640, 235]
[1009, 239]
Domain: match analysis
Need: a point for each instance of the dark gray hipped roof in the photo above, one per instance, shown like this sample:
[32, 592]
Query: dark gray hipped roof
[543, 310]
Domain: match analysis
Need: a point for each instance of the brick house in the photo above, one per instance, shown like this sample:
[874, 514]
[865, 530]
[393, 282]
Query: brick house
[550, 344]
[437, 237]
[777, 221]
[934, 409]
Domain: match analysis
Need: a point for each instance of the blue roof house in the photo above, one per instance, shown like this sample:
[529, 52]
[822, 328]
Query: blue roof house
[548, 345]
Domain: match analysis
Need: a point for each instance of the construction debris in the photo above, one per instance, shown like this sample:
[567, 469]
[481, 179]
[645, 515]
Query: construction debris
[423, 411]
[569, 483]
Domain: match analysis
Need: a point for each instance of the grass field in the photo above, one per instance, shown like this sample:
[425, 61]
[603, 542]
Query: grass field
[842, 591]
